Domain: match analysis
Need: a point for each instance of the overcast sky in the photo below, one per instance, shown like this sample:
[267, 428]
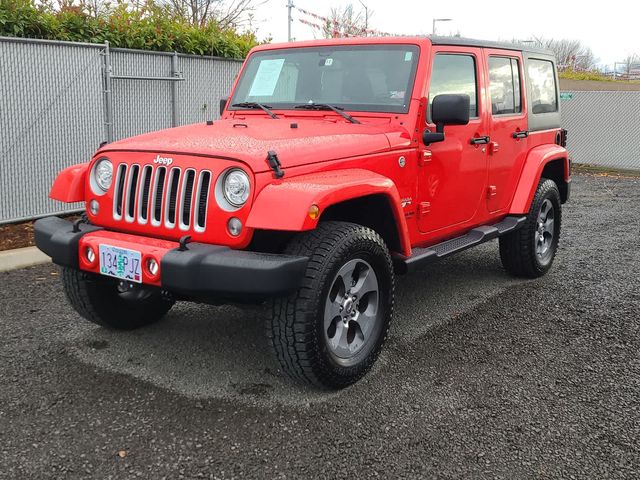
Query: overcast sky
[610, 28]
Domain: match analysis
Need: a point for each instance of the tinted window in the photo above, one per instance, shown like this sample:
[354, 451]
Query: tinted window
[542, 83]
[359, 77]
[454, 74]
[504, 84]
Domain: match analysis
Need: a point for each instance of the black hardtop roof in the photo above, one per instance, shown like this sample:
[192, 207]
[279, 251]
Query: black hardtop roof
[472, 42]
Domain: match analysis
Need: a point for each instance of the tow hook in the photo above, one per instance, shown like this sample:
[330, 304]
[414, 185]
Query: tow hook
[83, 219]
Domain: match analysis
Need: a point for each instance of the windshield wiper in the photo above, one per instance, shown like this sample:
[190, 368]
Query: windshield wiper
[324, 106]
[265, 108]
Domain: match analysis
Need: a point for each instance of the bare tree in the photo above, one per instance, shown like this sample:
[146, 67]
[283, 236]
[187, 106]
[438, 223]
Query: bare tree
[570, 54]
[95, 8]
[345, 22]
[226, 13]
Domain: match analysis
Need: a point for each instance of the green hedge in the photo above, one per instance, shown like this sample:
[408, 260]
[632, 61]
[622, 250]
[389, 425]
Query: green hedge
[151, 28]
[588, 75]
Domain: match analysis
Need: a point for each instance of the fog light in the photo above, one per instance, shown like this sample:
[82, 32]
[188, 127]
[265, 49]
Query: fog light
[90, 254]
[152, 266]
[94, 207]
[234, 226]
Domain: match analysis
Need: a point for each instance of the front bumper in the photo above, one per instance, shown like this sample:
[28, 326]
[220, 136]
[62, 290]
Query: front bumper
[202, 271]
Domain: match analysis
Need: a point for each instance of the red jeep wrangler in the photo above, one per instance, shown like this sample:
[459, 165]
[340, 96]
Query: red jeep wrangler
[336, 165]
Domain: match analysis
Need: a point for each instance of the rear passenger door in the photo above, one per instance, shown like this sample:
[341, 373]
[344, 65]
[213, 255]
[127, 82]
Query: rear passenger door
[507, 125]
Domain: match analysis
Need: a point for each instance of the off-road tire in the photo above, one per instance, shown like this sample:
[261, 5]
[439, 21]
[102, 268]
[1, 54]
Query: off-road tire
[518, 249]
[96, 298]
[296, 328]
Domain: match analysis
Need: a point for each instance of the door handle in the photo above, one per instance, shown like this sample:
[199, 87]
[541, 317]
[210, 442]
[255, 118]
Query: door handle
[480, 140]
[523, 134]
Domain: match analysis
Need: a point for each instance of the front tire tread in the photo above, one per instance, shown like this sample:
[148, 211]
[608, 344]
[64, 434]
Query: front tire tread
[291, 330]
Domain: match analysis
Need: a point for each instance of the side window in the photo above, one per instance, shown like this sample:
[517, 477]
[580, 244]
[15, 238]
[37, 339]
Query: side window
[454, 74]
[504, 85]
[542, 83]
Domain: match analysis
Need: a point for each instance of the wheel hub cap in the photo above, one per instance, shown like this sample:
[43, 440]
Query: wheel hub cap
[545, 231]
[348, 305]
[351, 308]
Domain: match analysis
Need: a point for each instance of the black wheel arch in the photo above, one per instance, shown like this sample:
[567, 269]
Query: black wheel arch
[555, 170]
[371, 211]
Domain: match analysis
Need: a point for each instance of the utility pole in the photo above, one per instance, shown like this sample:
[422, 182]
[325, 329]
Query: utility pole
[289, 18]
[366, 15]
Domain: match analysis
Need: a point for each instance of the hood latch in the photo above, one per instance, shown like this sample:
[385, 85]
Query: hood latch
[274, 164]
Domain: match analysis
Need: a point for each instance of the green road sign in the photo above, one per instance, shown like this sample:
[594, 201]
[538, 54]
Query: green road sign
[566, 96]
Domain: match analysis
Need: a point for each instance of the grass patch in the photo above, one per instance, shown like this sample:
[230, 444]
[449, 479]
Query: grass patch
[598, 171]
[593, 76]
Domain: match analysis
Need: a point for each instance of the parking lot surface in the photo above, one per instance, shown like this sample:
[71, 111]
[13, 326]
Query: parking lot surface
[483, 376]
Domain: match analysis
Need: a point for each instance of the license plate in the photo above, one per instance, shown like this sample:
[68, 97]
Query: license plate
[121, 263]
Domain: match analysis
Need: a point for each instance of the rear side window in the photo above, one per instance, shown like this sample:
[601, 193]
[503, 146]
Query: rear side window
[504, 84]
[454, 74]
[542, 84]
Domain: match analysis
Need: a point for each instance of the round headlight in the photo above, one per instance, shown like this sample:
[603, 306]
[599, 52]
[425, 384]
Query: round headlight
[236, 187]
[103, 174]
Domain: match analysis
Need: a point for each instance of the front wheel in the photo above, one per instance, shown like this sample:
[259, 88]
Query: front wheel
[330, 332]
[529, 252]
[111, 303]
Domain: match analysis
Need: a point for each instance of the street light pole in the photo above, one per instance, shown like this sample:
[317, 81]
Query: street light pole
[433, 28]
[289, 18]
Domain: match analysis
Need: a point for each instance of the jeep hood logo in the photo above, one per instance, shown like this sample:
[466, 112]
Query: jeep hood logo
[163, 160]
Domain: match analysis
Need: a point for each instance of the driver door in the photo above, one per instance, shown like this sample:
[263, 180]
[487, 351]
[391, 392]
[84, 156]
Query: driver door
[452, 182]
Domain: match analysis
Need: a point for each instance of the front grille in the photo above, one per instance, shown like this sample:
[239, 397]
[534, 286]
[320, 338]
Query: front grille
[172, 197]
[143, 195]
[203, 196]
[161, 174]
[162, 196]
[187, 196]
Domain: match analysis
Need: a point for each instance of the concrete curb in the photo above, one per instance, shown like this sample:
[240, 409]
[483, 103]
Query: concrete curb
[21, 258]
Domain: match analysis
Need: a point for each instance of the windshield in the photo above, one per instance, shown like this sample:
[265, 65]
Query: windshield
[370, 78]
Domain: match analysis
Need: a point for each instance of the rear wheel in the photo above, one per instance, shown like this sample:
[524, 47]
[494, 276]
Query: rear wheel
[112, 303]
[529, 252]
[331, 331]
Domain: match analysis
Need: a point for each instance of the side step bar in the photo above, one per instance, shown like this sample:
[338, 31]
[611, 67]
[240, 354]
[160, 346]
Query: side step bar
[423, 256]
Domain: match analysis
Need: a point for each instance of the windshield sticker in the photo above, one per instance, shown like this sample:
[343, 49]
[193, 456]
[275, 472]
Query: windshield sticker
[266, 78]
[328, 62]
[408, 56]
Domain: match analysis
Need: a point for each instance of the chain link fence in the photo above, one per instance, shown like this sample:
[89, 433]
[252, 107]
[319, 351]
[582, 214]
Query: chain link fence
[60, 100]
[604, 127]
[53, 108]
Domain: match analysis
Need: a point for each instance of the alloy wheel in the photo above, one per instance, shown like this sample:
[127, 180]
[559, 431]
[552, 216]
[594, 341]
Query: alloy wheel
[351, 309]
[545, 230]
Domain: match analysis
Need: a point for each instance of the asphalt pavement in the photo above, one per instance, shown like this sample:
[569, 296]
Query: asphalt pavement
[483, 376]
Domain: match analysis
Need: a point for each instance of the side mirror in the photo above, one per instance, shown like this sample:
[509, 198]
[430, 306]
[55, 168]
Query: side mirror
[223, 105]
[447, 109]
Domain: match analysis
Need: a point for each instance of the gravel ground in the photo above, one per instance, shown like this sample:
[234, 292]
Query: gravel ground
[483, 377]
